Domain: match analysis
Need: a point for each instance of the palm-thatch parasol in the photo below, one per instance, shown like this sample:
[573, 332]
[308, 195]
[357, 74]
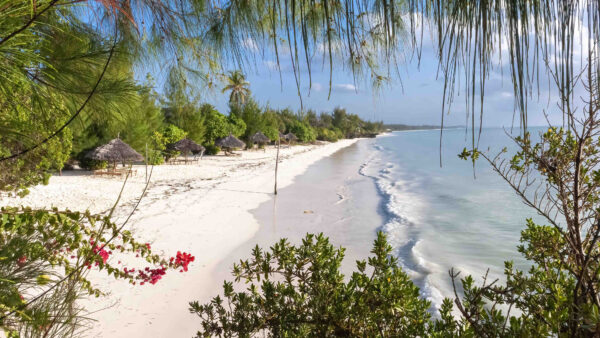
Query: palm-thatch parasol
[115, 151]
[260, 138]
[230, 142]
[282, 137]
[290, 137]
[186, 146]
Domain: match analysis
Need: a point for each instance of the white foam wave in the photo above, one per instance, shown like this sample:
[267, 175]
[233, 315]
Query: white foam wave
[401, 228]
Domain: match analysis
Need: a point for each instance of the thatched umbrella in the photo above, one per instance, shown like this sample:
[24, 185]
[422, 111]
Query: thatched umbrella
[115, 151]
[187, 146]
[260, 138]
[282, 137]
[229, 142]
[291, 137]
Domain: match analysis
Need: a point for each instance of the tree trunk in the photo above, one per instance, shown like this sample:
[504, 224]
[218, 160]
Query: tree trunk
[277, 164]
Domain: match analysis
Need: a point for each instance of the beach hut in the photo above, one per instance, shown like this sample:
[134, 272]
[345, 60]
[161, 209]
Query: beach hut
[229, 143]
[115, 151]
[290, 137]
[260, 138]
[187, 146]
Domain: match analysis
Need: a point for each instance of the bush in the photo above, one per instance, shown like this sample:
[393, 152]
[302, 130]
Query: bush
[160, 140]
[303, 131]
[299, 291]
[89, 164]
[211, 149]
[325, 134]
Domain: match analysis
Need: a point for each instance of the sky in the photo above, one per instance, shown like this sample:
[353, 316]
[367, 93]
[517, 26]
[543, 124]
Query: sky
[415, 99]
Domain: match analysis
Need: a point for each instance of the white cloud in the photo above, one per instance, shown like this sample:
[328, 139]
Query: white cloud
[317, 87]
[345, 87]
[250, 44]
[272, 65]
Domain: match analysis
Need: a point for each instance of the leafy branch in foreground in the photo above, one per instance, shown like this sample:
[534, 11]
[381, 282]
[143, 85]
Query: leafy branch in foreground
[299, 291]
[45, 256]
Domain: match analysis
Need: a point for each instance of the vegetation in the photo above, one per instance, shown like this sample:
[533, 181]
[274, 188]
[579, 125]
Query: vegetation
[67, 85]
[238, 88]
[299, 291]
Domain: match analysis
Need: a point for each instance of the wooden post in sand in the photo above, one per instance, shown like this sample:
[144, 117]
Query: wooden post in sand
[277, 162]
[146, 163]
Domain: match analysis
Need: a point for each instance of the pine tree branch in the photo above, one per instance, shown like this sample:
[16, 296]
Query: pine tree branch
[28, 23]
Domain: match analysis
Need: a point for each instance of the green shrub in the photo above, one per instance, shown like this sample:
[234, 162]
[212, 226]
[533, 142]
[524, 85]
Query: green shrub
[89, 164]
[211, 149]
[160, 141]
[303, 131]
[299, 291]
[325, 134]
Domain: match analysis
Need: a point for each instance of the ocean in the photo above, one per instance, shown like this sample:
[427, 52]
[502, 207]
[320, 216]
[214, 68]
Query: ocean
[436, 218]
[453, 216]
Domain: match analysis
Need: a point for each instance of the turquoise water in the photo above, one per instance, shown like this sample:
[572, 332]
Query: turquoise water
[437, 217]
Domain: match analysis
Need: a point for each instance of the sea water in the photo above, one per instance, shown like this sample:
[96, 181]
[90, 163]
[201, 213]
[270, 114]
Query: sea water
[452, 215]
[436, 217]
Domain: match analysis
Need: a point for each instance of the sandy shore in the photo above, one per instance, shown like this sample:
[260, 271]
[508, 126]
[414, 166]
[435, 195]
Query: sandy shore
[202, 209]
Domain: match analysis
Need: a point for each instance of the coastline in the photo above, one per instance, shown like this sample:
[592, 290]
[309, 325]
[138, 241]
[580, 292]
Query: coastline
[203, 209]
[332, 197]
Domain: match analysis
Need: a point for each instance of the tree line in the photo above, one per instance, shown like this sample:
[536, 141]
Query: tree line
[157, 120]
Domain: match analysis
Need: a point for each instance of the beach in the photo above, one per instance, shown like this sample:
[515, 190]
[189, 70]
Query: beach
[204, 209]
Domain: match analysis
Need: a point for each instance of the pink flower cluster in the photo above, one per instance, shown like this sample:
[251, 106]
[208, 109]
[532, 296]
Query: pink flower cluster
[100, 251]
[151, 275]
[182, 259]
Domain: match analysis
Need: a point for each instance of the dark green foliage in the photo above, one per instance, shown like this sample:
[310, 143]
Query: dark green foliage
[89, 164]
[180, 110]
[299, 291]
[22, 130]
[211, 149]
[303, 131]
[237, 85]
[140, 123]
[252, 116]
[236, 126]
[328, 135]
[160, 141]
[215, 123]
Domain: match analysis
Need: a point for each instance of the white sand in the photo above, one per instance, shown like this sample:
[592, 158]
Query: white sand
[203, 209]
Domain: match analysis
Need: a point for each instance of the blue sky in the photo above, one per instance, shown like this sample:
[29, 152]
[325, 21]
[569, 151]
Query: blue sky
[417, 101]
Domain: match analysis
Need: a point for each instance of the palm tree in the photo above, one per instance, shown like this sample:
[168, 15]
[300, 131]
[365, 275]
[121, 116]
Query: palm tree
[237, 84]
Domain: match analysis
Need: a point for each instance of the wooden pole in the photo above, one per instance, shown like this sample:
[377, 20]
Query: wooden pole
[277, 163]
[146, 166]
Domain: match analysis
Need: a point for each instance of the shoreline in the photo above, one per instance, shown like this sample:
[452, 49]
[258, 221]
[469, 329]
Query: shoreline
[204, 209]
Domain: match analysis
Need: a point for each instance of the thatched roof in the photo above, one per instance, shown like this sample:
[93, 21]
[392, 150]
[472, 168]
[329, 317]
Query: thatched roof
[230, 142]
[260, 138]
[282, 136]
[115, 151]
[186, 146]
[291, 137]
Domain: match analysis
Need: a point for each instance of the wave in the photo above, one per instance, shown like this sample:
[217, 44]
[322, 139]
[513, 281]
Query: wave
[401, 210]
